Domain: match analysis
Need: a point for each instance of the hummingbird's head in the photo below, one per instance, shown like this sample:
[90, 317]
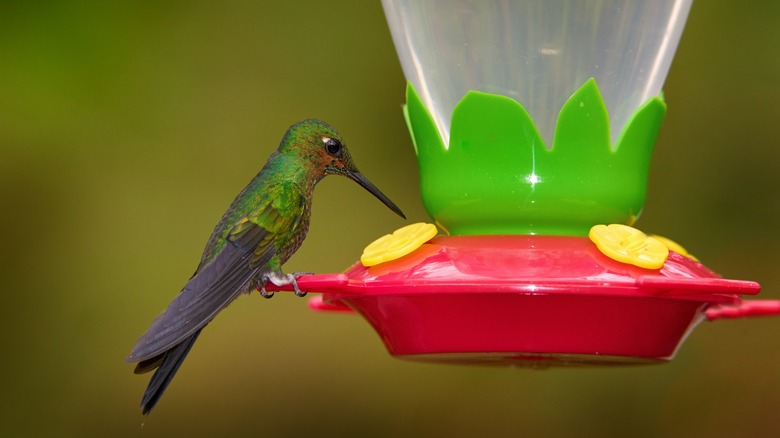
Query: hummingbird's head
[323, 149]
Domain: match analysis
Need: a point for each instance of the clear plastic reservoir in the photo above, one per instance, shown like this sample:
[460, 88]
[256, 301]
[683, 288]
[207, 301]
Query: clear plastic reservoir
[537, 52]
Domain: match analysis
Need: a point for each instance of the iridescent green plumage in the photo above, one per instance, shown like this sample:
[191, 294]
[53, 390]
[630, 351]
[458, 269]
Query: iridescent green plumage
[262, 228]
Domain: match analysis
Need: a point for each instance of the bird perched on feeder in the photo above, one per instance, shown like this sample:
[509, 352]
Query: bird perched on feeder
[262, 228]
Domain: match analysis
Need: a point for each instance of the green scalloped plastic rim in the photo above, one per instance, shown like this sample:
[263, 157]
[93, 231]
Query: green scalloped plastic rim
[497, 176]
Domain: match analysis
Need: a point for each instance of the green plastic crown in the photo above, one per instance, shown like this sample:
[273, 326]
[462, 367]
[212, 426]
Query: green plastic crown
[497, 176]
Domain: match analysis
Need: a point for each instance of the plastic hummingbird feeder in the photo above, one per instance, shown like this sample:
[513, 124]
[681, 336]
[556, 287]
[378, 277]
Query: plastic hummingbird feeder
[534, 123]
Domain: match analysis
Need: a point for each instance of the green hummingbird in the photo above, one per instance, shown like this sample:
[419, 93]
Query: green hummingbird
[262, 228]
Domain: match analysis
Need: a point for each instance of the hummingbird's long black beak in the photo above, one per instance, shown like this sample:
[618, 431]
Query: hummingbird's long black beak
[363, 181]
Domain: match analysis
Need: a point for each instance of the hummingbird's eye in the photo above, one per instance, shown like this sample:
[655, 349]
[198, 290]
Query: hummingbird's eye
[333, 147]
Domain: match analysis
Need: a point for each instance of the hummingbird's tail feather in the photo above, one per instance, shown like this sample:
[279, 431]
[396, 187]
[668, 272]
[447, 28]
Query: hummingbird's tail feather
[235, 270]
[169, 362]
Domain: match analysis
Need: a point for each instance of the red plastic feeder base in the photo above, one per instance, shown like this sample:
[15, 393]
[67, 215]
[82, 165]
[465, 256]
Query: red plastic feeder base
[529, 301]
[538, 329]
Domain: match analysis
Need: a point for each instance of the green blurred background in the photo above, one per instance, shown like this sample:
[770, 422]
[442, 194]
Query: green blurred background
[125, 131]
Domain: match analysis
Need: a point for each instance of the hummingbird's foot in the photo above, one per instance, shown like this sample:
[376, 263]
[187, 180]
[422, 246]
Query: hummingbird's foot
[295, 275]
[265, 294]
[280, 279]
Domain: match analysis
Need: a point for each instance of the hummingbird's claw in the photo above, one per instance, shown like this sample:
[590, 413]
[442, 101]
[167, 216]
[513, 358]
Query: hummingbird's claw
[298, 291]
[294, 277]
[266, 294]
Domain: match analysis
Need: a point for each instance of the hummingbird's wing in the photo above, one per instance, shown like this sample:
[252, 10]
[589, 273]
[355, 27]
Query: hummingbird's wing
[210, 290]
[244, 257]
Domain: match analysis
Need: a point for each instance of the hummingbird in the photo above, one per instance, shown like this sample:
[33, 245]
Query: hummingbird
[264, 225]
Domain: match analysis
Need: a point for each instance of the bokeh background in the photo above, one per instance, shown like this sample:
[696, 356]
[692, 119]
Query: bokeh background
[126, 129]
